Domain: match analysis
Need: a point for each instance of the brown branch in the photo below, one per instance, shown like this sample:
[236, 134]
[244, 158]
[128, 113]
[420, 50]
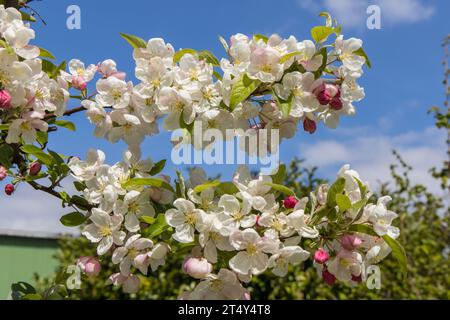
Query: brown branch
[67, 113]
[48, 190]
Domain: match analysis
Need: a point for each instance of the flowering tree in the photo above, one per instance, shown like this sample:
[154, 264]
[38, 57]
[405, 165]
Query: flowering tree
[228, 232]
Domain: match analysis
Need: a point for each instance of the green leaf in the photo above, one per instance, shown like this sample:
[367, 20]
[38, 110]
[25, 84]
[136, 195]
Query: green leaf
[19, 289]
[362, 228]
[27, 17]
[65, 124]
[180, 185]
[335, 189]
[289, 55]
[38, 153]
[284, 105]
[158, 167]
[321, 33]
[4, 127]
[343, 202]
[73, 219]
[6, 154]
[262, 37]
[180, 53]
[208, 57]
[79, 186]
[283, 189]
[80, 202]
[42, 137]
[362, 187]
[242, 89]
[207, 185]
[217, 75]
[226, 188]
[279, 177]
[157, 227]
[327, 16]
[362, 53]
[399, 254]
[134, 41]
[152, 182]
[224, 43]
[147, 219]
[46, 54]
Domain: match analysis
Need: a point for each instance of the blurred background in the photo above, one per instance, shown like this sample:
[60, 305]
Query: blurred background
[407, 79]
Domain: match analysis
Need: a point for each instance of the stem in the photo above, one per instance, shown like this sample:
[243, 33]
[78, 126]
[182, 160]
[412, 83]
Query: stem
[48, 190]
[67, 113]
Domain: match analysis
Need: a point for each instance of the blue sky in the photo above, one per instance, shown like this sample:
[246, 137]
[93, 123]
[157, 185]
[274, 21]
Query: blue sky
[404, 82]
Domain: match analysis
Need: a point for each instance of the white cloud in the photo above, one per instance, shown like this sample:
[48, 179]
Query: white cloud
[371, 154]
[352, 13]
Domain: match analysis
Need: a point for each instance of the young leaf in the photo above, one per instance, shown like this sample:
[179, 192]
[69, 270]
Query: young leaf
[206, 185]
[321, 33]
[224, 43]
[226, 188]
[281, 188]
[152, 182]
[147, 219]
[73, 219]
[289, 55]
[278, 177]
[362, 228]
[399, 254]
[343, 202]
[134, 41]
[38, 153]
[157, 227]
[262, 37]
[44, 53]
[158, 167]
[362, 53]
[177, 56]
[242, 89]
[335, 189]
[208, 57]
[65, 124]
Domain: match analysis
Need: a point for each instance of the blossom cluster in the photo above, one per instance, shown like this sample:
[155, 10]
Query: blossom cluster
[263, 83]
[27, 93]
[235, 233]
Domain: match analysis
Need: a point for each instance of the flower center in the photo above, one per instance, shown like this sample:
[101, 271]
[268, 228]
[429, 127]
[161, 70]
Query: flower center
[105, 231]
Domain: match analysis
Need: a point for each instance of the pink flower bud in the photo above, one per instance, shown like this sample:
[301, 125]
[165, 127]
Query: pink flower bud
[9, 189]
[326, 92]
[197, 268]
[35, 168]
[350, 242]
[3, 173]
[336, 103]
[5, 99]
[309, 125]
[79, 83]
[290, 202]
[329, 278]
[89, 266]
[321, 256]
[246, 295]
[357, 279]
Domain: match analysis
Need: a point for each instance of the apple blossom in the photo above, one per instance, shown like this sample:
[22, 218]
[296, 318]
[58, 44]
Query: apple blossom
[321, 256]
[5, 99]
[3, 173]
[197, 268]
[89, 266]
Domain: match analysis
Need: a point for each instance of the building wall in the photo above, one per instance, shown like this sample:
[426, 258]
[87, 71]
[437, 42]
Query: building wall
[21, 257]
